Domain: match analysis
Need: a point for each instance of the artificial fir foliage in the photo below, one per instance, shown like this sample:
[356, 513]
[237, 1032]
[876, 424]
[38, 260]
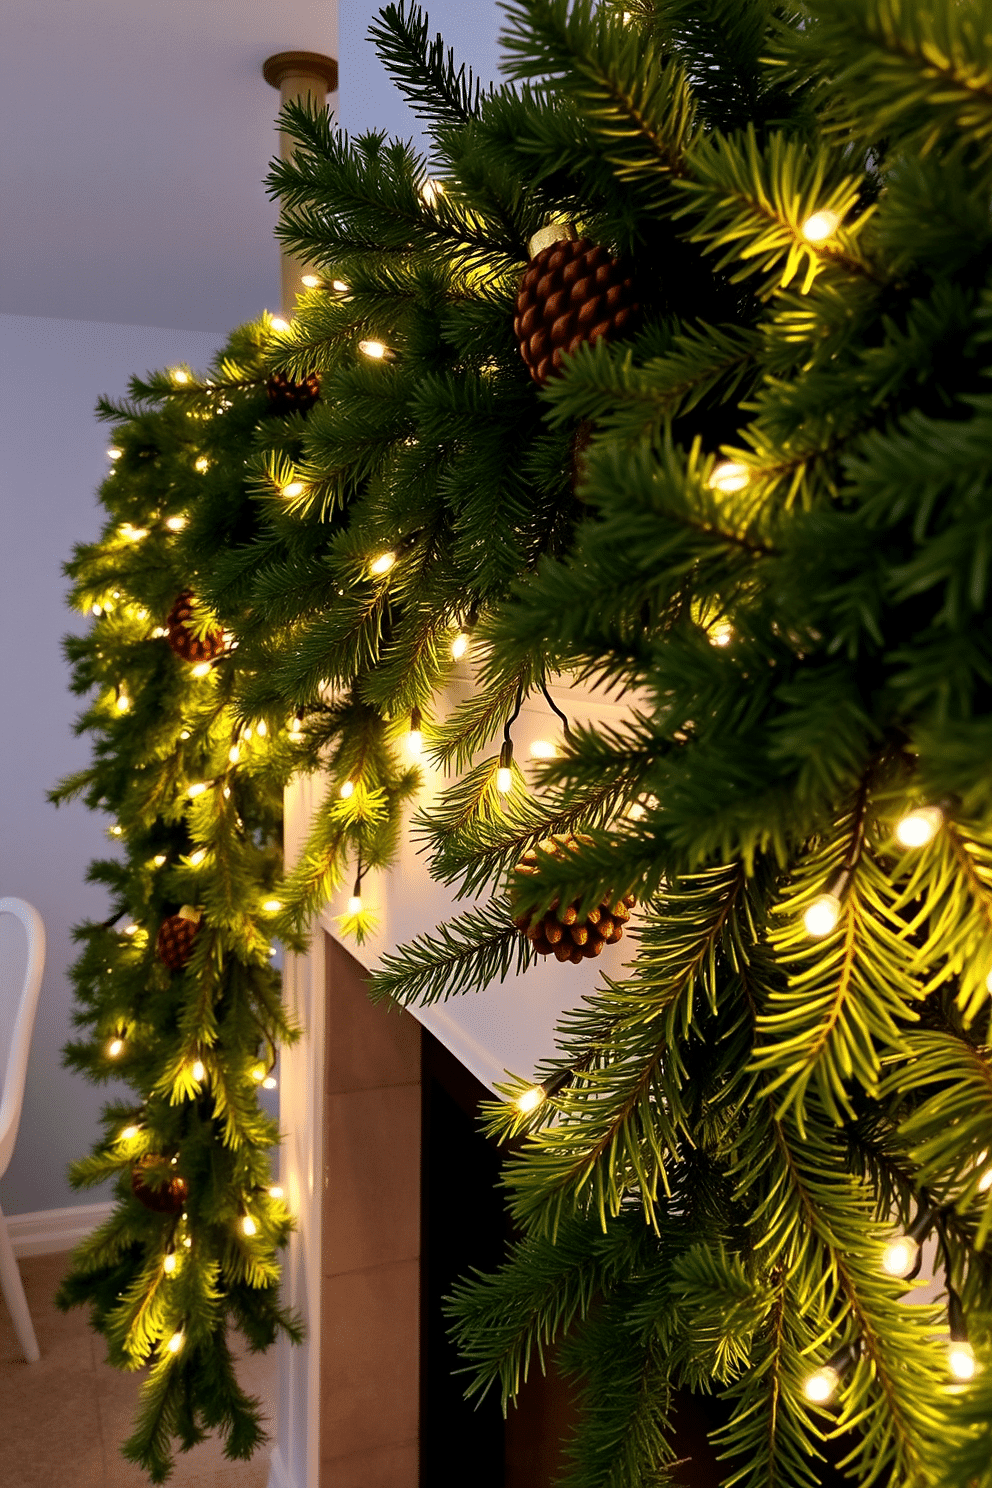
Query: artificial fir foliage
[780, 559]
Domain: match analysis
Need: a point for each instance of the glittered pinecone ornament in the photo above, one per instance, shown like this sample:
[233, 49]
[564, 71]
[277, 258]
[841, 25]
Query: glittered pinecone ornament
[181, 637]
[166, 1197]
[176, 935]
[564, 933]
[572, 291]
[286, 396]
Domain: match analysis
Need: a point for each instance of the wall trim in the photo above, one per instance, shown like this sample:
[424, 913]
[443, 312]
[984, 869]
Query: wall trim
[278, 1476]
[50, 1231]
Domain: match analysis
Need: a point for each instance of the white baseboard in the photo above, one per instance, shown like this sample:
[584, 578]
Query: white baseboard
[49, 1231]
[278, 1477]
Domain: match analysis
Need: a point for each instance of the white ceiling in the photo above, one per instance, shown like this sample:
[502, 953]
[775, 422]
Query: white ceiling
[135, 135]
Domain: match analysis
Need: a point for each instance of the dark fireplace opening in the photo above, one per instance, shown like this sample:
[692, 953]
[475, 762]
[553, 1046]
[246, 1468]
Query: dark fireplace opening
[463, 1226]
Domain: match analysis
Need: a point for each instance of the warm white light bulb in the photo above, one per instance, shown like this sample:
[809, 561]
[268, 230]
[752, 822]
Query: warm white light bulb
[115, 1047]
[373, 349]
[196, 858]
[985, 1182]
[415, 742]
[820, 226]
[312, 281]
[117, 831]
[347, 790]
[271, 906]
[129, 1133]
[355, 904]
[258, 1073]
[197, 790]
[169, 1264]
[383, 563]
[529, 1100]
[961, 1359]
[720, 634]
[202, 669]
[178, 375]
[248, 1225]
[175, 524]
[729, 476]
[339, 285]
[504, 779]
[123, 703]
[543, 749]
[920, 826]
[132, 534]
[198, 1070]
[114, 453]
[202, 465]
[820, 1386]
[261, 728]
[234, 754]
[899, 1256]
[175, 1343]
[822, 915]
[430, 191]
[275, 1192]
[294, 489]
[269, 1083]
[96, 609]
[278, 323]
[459, 646]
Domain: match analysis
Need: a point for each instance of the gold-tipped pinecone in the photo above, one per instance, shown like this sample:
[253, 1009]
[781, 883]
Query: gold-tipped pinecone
[178, 628]
[572, 291]
[286, 396]
[561, 932]
[176, 934]
[167, 1197]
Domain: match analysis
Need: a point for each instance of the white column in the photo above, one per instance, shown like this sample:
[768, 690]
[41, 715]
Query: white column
[298, 75]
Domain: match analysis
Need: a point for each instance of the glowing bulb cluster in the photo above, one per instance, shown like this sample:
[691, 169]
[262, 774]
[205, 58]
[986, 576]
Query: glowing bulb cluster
[820, 227]
[961, 1360]
[729, 476]
[821, 1385]
[900, 1255]
[920, 826]
[822, 915]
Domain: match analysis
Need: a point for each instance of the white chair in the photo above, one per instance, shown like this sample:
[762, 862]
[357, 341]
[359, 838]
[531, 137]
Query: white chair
[18, 1004]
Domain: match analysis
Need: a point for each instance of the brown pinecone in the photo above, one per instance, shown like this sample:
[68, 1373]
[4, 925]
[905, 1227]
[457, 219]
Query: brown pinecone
[562, 933]
[174, 944]
[286, 396]
[165, 1198]
[572, 291]
[181, 638]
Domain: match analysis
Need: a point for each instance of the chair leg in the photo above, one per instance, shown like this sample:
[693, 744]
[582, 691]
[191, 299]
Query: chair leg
[13, 1290]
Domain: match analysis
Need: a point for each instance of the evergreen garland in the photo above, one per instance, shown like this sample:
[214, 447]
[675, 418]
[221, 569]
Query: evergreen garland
[778, 548]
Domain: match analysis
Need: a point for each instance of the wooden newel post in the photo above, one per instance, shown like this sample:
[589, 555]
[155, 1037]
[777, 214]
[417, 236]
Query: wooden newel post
[297, 75]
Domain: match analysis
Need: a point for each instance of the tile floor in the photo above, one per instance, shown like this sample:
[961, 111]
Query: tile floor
[62, 1419]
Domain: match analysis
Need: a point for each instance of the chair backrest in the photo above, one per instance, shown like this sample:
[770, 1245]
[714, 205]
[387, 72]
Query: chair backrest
[18, 1004]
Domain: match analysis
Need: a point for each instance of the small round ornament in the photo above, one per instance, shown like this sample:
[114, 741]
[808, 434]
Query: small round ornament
[174, 944]
[565, 934]
[168, 1194]
[572, 291]
[181, 636]
[286, 396]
